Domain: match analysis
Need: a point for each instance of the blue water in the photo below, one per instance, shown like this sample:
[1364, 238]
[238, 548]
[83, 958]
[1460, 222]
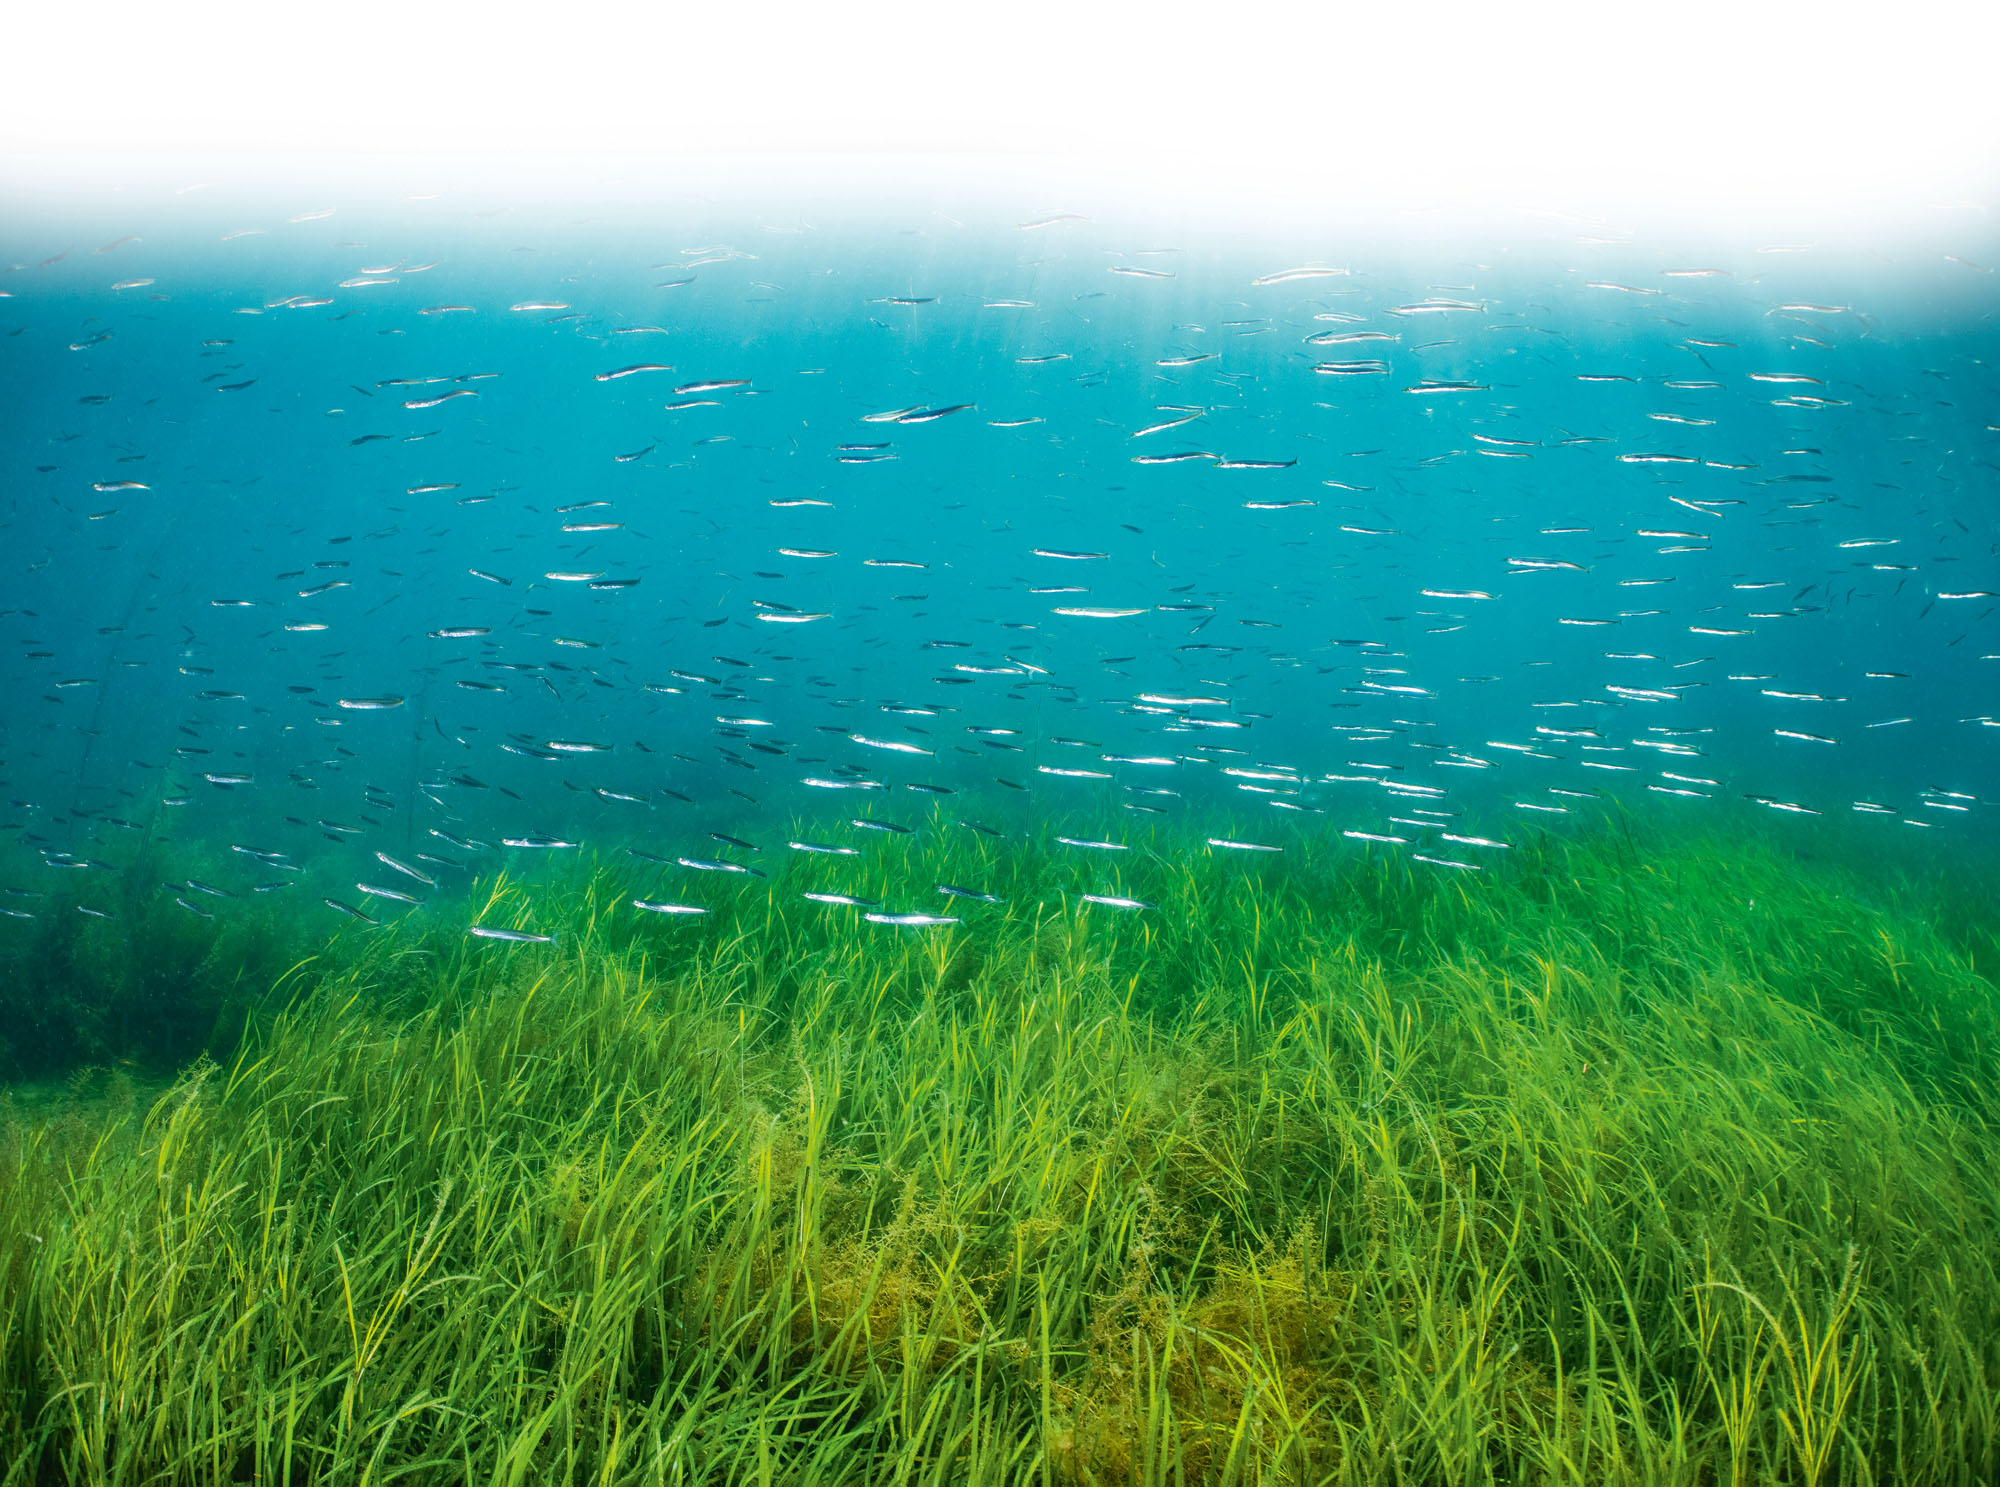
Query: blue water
[1699, 529]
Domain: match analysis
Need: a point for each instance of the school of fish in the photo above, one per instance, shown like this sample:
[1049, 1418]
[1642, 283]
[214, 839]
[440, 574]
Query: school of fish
[422, 541]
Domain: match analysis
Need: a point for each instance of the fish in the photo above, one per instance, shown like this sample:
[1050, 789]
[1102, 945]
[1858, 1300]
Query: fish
[1293, 275]
[951, 890]
[708, 865]
[892, 745]
[389, 893]
[402, 867]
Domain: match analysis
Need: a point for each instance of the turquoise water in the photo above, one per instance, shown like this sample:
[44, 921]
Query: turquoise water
[430, 530]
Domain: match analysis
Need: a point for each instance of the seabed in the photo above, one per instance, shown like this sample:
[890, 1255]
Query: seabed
[1637, 1157]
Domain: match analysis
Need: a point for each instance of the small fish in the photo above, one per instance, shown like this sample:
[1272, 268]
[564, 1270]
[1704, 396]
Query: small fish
[893, 746]
[706, 865]
[390, 893]
[404, 868]
[952, 890]
[511, 936]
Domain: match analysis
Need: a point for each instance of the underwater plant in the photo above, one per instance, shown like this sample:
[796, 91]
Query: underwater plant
[1325, 1170]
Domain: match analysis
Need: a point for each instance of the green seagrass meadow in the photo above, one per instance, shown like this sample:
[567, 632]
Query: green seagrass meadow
[1639, 1157]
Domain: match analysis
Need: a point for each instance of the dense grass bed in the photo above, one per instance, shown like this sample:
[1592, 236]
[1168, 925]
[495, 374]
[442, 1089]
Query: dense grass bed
[1672, 1163]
